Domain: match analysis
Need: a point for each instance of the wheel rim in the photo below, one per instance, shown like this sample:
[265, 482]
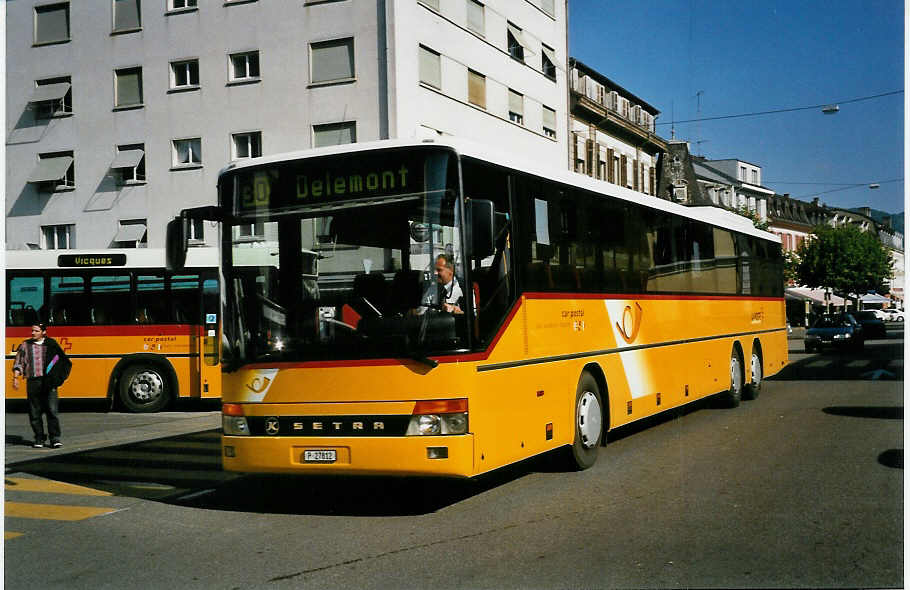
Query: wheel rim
[589, 419]
[146, 387]
[756, 370]
[736, 376]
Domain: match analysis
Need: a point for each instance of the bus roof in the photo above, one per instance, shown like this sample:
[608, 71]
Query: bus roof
[714, 215]
[105, 258]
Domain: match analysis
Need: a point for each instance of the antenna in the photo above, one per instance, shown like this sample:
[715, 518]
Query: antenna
[698, 140]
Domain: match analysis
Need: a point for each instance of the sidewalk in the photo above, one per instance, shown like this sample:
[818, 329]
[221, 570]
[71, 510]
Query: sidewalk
[84, 431]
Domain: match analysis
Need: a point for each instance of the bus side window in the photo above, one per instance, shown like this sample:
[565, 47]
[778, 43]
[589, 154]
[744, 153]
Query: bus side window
[26, 297]
[68, 303]
[151, 306]
[185, 299]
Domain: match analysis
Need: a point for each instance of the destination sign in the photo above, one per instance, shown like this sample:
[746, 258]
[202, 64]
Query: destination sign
[303, 183]
[82, 260]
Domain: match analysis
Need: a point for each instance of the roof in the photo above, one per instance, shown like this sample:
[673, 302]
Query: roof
[608, 82]
[544, 169]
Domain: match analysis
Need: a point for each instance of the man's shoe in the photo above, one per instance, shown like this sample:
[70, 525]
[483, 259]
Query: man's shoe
[38, 444]
[56, 444]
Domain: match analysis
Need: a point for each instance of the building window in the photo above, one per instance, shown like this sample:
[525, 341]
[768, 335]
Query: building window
[128, 87]
[196, 231]
[742, 173]
[127, 15]
[549, 6]
[548, 62]
[477, 89]
[430, 67]
[52, 23]
[515, 42]
[475, 20]
[755, 177]
[185, 74]
[516, 107]
[246, 145]
[58, 237]
[131, 233]
[549, 122]
[53, 97]
[181, 4]
[129, 163]
[187, 153]
[332, 61]
[334, 134]
[55, 171]
[250, 232]
[244, 67]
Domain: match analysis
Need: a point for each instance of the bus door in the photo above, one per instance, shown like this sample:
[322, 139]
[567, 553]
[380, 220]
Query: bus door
[210, 365]
[186, 298]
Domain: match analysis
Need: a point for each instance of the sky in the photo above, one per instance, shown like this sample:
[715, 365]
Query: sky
[696, 59]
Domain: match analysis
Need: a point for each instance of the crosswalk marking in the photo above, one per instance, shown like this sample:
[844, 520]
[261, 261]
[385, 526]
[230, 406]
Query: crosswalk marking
[53, 511]
[28, 484]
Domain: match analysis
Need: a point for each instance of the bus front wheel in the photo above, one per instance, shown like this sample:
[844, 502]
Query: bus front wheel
[734, 394]
[144, 388]
[588, 422]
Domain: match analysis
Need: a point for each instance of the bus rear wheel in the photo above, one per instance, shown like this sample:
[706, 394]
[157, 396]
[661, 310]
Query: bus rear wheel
[753, 388]
[588, 422]
[144, 388]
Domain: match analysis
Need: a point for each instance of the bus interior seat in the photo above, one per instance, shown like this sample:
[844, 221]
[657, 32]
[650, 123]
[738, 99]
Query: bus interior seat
[370, 287]
[99, 316]
[405, 291]
[143, 315]
[57, 315]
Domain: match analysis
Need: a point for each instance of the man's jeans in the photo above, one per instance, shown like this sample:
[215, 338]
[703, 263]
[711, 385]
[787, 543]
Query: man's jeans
[42, 400]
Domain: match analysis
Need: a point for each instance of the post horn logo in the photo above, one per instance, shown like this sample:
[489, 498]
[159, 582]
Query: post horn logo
[271, 425]
[259, 384]
[631, 323]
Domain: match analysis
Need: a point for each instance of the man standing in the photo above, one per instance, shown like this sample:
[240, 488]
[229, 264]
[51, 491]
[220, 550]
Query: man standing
[45, 367]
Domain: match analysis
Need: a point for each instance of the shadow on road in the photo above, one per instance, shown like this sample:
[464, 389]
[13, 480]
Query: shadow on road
[879, 360]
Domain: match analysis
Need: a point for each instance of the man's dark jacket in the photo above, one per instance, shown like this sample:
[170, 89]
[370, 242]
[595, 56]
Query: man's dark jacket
[62, 366]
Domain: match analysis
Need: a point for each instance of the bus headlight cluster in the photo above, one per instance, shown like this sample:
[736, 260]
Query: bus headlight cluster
[233, 422]
[439, 417]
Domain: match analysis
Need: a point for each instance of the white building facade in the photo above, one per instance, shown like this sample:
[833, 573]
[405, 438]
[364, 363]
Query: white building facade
[122, 112]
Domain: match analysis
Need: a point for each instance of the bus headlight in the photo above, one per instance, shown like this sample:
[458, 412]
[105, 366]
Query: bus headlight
[439, 417]
[233, 422]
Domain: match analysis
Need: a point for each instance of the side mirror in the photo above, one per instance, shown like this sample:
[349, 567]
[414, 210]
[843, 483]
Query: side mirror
[176, 244]
[480, 230]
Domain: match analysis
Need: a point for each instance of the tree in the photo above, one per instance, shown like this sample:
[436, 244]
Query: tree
[844, 259]
[791, 267]
[753, 216]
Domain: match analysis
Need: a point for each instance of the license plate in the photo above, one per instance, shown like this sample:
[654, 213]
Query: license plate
[320, 456]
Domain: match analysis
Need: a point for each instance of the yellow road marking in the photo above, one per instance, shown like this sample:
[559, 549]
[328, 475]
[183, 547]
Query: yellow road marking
[26, 484]
[7, 535]
[53, 511]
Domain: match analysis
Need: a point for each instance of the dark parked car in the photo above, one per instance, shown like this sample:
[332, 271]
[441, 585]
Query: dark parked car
[839, 330]
[873, 326]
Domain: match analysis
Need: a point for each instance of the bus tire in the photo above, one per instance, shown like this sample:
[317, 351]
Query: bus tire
[734, 394]
[587, 421]
[757, 375]
[144, 388]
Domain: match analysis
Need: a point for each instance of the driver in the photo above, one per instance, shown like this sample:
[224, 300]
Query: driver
[451, 297]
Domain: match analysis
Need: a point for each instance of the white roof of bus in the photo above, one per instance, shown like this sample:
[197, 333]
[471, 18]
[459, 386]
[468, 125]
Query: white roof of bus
[135, 258]
[713, 215]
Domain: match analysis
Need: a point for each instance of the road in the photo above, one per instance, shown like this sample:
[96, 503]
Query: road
[800, 488]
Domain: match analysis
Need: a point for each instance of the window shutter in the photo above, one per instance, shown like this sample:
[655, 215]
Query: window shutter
[652, 173]
[610, 165]
[430, 68]
[635, 174]
[126, 14]
[516, 102]
[475, 17]
[332, 60]
[623, 170]
[129, 87]
[549, 118]
[52, 23]
[477, 89]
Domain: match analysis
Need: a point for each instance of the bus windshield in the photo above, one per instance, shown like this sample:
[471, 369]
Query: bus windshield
[334, 258]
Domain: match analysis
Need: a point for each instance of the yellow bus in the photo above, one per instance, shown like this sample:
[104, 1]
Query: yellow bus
[137, 335]
[586, 307]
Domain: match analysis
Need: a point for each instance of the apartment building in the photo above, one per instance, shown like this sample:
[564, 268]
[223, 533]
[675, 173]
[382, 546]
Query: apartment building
[122, 112]
[612, 132]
